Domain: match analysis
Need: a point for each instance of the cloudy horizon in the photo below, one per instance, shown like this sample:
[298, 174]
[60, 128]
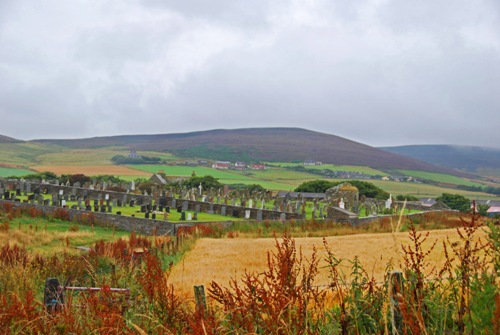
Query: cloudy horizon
[379, 72]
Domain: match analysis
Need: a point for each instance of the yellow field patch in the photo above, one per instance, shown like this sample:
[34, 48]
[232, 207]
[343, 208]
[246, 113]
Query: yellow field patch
[222, 259]
[92, 170]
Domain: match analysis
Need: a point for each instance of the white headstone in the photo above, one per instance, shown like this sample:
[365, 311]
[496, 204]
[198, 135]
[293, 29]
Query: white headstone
[342, 204]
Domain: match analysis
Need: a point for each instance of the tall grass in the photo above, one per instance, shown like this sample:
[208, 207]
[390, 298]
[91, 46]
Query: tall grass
[460, 296]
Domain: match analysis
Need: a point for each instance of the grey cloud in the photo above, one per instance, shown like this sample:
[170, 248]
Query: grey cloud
[380, 72]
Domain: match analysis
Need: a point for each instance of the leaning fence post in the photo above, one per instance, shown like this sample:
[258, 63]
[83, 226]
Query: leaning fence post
[199, 297]
[53, 297]
[395, 287]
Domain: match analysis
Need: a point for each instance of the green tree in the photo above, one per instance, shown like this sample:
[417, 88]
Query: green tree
[369, 190]
[315, 186]
[455, 201]
[206, 182]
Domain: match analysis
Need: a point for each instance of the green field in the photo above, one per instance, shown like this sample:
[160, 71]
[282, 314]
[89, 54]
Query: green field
[6, 172]
[273, 179]
[351, 168]
[439, 177]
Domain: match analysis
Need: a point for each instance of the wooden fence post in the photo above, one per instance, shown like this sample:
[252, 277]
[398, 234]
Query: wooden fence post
[199, 296]
[395, 289]
[53, 298]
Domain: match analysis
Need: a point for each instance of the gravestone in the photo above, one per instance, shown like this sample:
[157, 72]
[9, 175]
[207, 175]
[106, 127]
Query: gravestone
[146, 215]
[132, 203]
[185, 206]
[153, 216]
[143, 209]
[174, 203]
[115, 202]
[103, 209]
[189, 217]
[247, 214]
[223, 210]
[110, 209]
[259, 215]
[197, 208]
[28, 188]
[72, 197]
[183, 216]
[211, 210]
[119, 203]
[283, 217]
[46, 202]
[73, 191]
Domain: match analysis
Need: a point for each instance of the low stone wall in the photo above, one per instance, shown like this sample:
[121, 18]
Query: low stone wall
[127, 223]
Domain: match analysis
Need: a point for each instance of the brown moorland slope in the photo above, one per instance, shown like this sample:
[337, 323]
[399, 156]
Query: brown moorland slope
[260, 144]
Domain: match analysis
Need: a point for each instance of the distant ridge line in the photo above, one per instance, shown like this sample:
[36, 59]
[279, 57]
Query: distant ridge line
[274, 144]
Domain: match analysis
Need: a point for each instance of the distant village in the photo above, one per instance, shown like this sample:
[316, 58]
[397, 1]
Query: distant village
[241, 166]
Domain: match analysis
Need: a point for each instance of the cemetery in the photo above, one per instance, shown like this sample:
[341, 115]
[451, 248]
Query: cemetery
[164, 208]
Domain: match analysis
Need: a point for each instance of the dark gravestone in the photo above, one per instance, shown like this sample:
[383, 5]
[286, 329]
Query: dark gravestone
[183, 216]
[96, 202]
[119, 203]
[143, 209]
[154, 208]
[167, 209]
[259, 215]
[153, 216]
[6, 195]
[160, 208]
[146, 215]
[179, 209]
[195, 216]
[110, 209]
[132, 203]
[88, 208]
[96, 208]
[103, 209]
[236, 214]
[119, 213]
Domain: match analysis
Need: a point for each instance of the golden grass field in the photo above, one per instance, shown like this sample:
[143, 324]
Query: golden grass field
[222, 259]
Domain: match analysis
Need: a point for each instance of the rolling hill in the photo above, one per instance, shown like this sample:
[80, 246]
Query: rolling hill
[462, 158]
[258, 144]
[6, 139]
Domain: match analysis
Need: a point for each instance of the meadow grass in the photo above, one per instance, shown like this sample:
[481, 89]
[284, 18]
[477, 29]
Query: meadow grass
[48, 236]
[439, 177]
[222, 259]
[6, 172]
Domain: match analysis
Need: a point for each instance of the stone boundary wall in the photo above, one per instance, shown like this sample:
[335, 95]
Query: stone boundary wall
[127, 223]
[148, 226]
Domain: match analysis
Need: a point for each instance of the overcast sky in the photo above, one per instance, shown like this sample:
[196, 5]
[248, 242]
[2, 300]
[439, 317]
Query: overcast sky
[380, 72]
